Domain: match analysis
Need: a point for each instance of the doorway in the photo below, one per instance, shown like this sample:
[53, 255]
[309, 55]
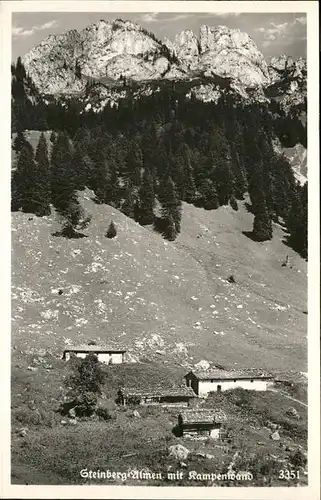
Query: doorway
[219, 388]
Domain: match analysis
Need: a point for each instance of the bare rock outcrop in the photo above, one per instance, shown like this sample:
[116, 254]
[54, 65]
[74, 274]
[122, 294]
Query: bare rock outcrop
[62, 64]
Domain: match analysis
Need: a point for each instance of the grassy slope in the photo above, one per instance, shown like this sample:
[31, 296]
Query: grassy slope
[167, 302]
[152, 295]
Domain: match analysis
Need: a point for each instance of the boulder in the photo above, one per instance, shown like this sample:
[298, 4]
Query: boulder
[72, 413]
[272, 426]
[292, 413]
[178, 451]
[275, 436]
[23, 431]
[202, 365]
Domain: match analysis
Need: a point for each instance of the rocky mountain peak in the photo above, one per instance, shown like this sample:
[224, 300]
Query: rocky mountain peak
[222, 51]
[232, 53]
[286, 66]
[61, 64]
[186, 48]
[103, 49]
[210, 36]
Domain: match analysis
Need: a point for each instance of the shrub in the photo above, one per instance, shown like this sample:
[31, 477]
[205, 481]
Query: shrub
[25, 416]
[233, 203]
[106, 409]
[297, 430]
[105, 413]
[111, 232]
[298, 459]
[133, 401]
[87, 375]
[86, 404]
[240, 397]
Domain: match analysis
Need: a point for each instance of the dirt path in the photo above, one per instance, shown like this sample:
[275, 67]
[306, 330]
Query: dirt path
[290, 397]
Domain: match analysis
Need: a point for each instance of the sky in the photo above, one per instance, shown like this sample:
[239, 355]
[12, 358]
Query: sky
[274, 33]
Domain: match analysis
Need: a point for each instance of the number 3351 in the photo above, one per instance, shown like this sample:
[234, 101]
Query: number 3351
[289, 474]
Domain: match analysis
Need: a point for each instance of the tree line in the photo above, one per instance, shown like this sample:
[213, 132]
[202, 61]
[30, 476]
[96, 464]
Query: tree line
[148, 155]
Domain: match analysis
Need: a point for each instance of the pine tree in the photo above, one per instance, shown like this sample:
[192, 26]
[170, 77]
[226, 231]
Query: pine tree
[81, 166]
[221, 161]
[17, 82]
[170, 231]
[21, 142]
[233, 203]
[20, 69]
[188, 184]
[29, 185]
[63, 184]
[43, 175]
[111, 232]
[113, 191]
[72, 217]
[256, 190]
[283, 186]
[133, 162]
[208, 198]
[63, 189]
[262, 225]
[145, 213]
[234, 135]
[128, 207]
[269, 162]
[304, 238]
[239, 174]
[77, 70]
[171, 204]
[82, 138]
[176, 170]
[100, 175]
[297, 221]
[162, 162]
[224, 182]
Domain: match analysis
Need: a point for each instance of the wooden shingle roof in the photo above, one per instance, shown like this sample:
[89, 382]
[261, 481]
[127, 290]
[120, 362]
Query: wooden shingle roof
[94, 348]
[202, 416]
[158, 391]
[228, 375]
